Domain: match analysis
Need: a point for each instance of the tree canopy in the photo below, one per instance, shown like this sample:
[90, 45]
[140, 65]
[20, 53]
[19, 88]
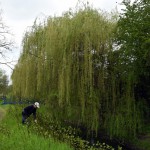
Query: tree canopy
[133, 40]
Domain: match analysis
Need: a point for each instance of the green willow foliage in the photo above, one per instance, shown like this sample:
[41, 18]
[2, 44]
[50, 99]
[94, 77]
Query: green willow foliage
[69, 62]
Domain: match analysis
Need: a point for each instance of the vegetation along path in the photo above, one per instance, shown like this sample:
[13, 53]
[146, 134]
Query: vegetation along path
[2, 113]
[11, 126]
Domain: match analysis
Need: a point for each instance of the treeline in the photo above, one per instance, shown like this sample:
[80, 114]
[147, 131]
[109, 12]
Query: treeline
[90, 67]
[4, 88]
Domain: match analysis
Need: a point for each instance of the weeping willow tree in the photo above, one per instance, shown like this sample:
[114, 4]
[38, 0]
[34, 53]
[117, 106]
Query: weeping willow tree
[69, 62]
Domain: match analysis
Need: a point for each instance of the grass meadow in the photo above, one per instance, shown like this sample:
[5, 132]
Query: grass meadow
[15, 136]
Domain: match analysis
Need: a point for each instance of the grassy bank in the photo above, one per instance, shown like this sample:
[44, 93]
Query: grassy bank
[15, 136]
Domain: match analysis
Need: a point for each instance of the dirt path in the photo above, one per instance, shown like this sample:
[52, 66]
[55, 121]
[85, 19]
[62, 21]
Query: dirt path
[2, 113]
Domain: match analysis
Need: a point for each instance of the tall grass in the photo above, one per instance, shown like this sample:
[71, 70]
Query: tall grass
[15, 136]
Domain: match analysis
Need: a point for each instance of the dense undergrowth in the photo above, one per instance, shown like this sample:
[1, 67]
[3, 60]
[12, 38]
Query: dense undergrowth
[69, 135]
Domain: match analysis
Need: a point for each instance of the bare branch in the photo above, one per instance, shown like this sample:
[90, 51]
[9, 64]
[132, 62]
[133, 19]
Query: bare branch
[8, 65]
[6, 43]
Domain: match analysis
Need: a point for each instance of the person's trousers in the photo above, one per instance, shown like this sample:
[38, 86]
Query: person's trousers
[24, 117]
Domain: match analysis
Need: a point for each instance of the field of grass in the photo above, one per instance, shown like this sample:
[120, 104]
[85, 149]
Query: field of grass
[15, 136]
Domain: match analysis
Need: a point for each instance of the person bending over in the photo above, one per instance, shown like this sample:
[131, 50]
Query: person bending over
[27, 111]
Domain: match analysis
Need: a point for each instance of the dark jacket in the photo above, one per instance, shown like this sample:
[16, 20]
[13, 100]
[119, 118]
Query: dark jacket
[29, 110]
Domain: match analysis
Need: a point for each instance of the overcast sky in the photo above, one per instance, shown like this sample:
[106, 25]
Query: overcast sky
[20, 14]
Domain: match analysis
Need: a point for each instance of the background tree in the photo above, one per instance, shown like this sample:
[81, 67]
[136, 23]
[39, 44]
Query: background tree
[133, 40]
[3, 83]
